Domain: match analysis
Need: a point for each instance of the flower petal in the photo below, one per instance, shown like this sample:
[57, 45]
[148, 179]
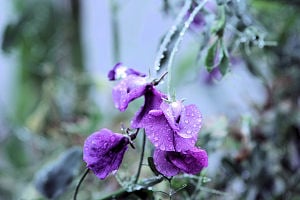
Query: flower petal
[103, 152]
[163, 165]
[127, 90]
[153, 99]
[160, 133]
[190, 122]
[191, 161]
[120, 71]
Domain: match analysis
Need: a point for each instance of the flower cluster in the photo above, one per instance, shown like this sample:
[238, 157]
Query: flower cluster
[171, 126]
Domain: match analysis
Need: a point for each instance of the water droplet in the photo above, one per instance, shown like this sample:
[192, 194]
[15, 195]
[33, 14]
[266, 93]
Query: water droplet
[162, 147]
[186, 121]
[112, 139]
[105, 145]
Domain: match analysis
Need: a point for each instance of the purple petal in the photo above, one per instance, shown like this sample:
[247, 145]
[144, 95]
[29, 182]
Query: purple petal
[172, 116]
[163, 165]
[184, 120]
[191, 161]
[190, 122]
[163, 137]
[153, 99]
[120, 71]
[103, 152]
[127, 90]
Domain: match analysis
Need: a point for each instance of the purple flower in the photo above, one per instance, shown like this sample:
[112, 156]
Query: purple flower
[103, 152]
[120, 71]
[153, 100]
[171, 163]
[173, 127]
[129, 89]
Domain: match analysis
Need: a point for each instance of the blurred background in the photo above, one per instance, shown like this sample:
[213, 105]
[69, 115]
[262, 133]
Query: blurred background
[54, 92]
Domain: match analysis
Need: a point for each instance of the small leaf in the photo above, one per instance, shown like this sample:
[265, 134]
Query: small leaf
[224, 64]
[211, 55]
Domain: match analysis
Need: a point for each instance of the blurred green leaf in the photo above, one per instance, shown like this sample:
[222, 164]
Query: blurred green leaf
[211, 55]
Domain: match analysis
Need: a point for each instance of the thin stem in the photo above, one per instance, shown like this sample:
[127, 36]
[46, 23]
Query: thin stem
[79, 183]
[115, 30]
[167, 38]
[141, 158]
[177, 43]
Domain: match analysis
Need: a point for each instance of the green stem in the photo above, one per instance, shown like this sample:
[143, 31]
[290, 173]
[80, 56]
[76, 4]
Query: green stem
[115, 30]
[177, 43]
[167, 38]
[79, 183]
[141, 158]
[123, 193]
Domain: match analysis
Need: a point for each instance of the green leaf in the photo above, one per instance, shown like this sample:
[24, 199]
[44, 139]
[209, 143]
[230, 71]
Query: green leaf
[210, 57]
[224, 64]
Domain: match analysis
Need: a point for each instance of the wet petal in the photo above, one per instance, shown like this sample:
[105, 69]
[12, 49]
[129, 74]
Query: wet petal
[163, 165]
[190, 122]
[163, 137]
[127, 90]
[191, 161]
[121, 71]
[103, 152]
[153, 99]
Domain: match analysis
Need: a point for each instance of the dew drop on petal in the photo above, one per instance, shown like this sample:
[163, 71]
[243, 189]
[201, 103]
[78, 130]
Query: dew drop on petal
[112, 139]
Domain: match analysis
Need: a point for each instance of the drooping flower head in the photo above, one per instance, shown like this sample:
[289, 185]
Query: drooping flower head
[173, 127]
[103, 152]
[171, 163]
[132, 86]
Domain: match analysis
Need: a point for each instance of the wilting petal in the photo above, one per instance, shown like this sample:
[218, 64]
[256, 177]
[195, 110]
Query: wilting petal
[163, 165]
[127, 90]
[103, 152]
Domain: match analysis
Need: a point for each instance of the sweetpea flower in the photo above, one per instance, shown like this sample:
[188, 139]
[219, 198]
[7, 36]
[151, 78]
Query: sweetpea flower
[132, 86]
[171, 163]
[173, 127]
[121, 71]
[103, 152]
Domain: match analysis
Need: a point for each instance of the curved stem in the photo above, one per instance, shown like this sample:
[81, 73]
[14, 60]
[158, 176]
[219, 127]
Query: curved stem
[177, 43]
[167, 38]
[79, 183]
[141, 158]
